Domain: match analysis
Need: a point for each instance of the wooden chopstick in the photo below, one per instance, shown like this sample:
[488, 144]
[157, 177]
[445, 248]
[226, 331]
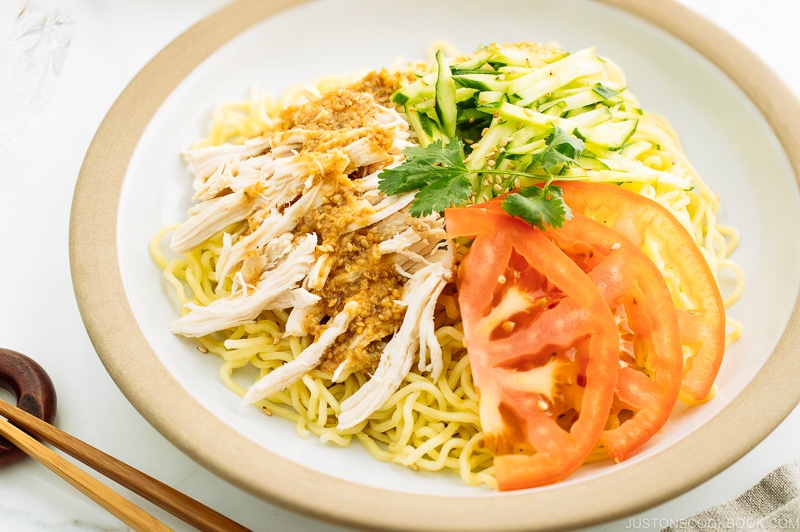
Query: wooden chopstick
[173, 501]
[125, 510]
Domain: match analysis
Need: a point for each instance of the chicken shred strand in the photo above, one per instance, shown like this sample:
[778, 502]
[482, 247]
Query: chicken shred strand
[307, 228]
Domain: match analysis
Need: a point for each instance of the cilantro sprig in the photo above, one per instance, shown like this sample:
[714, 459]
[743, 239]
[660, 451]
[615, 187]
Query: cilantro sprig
[439, 173]
[441, 177]
[562, 148]
[538, 206]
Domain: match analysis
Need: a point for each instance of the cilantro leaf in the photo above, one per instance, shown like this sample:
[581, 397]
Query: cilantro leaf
[424, 166]
[562, 148]
[539, 207]
[441, 194]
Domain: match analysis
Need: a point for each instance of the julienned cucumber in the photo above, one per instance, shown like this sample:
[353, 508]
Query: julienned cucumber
[610, 135]
[530, 108]
[446, 110]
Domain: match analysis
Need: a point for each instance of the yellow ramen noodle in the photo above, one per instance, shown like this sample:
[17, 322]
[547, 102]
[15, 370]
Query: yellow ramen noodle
[426, 424]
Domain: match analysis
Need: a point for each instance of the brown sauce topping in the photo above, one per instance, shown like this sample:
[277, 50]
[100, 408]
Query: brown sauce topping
[359, 272]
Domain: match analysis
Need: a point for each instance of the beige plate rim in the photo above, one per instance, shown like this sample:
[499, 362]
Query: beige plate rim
[128, 357]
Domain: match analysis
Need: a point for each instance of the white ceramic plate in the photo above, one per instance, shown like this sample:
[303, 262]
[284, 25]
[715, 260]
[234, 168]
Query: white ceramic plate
[133, 183]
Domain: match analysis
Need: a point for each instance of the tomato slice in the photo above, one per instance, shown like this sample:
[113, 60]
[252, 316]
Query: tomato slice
[543, 347]
[651, 358]
[701, 313]
[650, 354]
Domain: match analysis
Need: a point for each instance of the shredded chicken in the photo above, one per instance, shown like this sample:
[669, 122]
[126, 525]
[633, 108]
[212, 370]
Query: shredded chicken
[277, 289]
[308, 359]
[307, 229]
[416, 334]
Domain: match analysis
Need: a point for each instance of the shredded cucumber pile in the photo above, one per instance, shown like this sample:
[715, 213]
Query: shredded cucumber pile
[510, 116]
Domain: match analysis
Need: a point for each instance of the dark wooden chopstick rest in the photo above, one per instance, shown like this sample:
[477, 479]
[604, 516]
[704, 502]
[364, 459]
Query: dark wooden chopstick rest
[34, 391]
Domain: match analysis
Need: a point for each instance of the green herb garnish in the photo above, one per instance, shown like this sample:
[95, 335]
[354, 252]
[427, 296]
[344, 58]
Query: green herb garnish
[443, 180]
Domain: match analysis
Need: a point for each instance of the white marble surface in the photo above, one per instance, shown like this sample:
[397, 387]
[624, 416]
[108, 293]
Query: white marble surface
[38, 314]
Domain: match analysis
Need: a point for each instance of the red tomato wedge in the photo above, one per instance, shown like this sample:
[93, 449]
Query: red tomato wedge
[701, 313]
[543, 347]
[650, 355]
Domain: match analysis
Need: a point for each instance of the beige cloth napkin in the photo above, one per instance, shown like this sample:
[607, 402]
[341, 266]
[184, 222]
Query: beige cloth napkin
[772, 504]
